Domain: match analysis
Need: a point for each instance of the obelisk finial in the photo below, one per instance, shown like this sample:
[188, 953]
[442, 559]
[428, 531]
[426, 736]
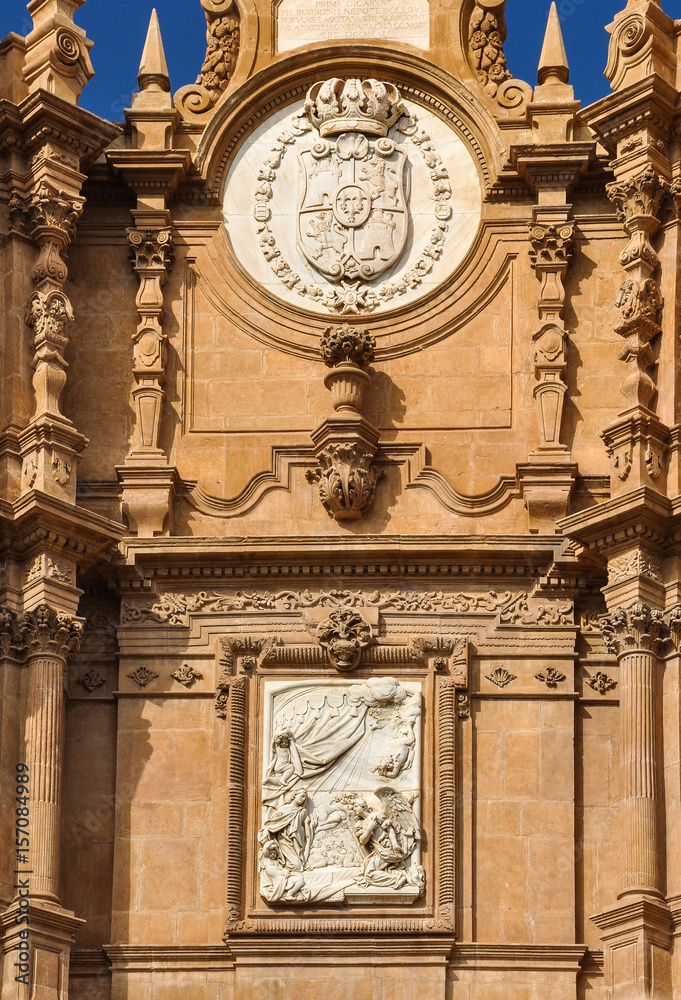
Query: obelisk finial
[153, 71]
[553, 64]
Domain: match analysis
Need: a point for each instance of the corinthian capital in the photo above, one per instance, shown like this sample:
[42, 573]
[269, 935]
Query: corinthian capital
[636, 196]
[48, 631]
[637, 627]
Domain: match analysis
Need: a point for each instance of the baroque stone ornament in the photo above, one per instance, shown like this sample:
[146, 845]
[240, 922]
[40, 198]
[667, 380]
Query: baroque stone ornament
[353, 211]
[345, 443]
[92, 680]
[601, 682]
[187, 675]
[551, 677]
[637, 440]
[344, 634]
[331, 832]
[501, 677]
[223, 42]
[142, 676]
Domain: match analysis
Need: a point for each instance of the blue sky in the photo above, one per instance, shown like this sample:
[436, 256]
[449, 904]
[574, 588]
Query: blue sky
[118, 28]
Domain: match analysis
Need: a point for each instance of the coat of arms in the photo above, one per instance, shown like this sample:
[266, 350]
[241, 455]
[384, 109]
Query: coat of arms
[352, 218]
[352, 208]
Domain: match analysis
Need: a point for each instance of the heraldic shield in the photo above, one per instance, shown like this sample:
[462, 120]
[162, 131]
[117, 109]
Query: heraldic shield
[352, 207]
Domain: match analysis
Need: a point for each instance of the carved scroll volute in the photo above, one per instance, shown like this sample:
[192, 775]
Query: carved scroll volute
[486, 36]
[197, 101]
[345, 443]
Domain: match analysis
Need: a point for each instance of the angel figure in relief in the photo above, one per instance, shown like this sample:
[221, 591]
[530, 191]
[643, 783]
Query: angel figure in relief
[388, 839]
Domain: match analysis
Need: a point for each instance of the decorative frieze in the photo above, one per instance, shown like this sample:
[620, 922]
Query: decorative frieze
[512, 608]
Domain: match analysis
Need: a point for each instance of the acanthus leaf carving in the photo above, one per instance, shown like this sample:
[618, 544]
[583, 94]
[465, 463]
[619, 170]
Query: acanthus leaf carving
[637, 627]
[346, 479]
[48, 631]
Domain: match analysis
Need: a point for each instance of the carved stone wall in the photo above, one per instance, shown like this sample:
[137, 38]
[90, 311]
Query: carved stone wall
[340, 547]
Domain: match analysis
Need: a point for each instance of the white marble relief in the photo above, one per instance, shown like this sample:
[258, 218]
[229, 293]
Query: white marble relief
[352, 224]
[341, 792]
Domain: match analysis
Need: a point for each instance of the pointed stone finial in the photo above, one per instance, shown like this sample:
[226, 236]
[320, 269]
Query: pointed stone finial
[553, 64]
[153, 71]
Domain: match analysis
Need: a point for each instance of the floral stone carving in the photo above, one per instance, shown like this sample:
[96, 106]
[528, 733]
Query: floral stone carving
[332, 830]
[223, 39]
[344, 634]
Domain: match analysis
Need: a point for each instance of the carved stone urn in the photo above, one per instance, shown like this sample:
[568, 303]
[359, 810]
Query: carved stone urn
[345, 443]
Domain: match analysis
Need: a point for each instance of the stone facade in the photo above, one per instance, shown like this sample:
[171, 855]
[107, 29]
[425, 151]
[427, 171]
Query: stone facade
[340, 471]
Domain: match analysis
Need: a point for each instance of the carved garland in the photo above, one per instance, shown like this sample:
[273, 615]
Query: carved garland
[512, 608]
[353, 297]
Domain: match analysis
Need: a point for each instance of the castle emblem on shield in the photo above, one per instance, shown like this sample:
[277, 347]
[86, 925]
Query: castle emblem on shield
[352, 205]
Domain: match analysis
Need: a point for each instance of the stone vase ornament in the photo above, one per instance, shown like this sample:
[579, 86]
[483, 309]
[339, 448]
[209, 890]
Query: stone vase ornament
[345, 443]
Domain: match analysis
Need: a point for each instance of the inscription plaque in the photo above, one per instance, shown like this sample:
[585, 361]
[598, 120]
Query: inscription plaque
[303, 21]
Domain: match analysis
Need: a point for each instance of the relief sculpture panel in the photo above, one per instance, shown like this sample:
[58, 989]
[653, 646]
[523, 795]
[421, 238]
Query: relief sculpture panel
[341, 786]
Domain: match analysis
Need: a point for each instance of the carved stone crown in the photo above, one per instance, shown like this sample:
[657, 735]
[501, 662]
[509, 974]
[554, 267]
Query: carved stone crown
[367, 106]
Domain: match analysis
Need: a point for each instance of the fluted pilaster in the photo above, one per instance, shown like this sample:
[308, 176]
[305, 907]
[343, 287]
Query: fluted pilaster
[51, 638]
[635, 635]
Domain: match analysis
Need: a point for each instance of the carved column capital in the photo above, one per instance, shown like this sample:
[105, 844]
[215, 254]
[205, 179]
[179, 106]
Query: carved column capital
[52, 218]
[639, 627]
[151, 250]
[552, 245]
[51, 632]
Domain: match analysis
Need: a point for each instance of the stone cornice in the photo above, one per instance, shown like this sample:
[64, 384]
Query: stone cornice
[42, 117]
[37, 518]
[640, 515]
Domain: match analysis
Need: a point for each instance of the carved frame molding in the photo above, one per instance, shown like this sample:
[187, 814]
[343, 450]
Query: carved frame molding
[246, 662]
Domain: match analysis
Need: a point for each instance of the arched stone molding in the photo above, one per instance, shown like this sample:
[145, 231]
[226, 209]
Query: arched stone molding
[417, 79]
